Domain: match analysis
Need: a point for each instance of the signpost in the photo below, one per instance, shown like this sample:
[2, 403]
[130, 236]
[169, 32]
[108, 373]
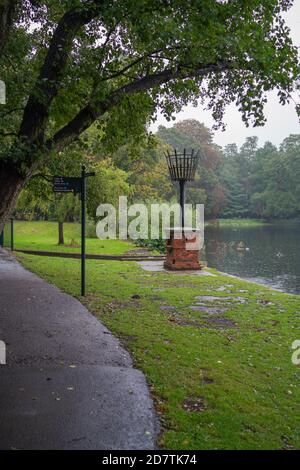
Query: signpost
[74, 184]
[11, 235]
[66, 184]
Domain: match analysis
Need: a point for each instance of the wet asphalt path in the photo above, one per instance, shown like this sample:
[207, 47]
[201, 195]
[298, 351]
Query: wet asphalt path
[67, 382]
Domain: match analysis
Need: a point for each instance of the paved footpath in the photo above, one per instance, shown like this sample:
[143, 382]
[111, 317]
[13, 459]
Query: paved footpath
[67, 384]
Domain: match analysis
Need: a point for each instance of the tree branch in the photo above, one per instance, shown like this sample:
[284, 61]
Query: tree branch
[120, 72]
[10, 111]
[7, 134]
[137, 60]
[7, 9]
[93, 110]
[151, 81]
[48, 178]
[48, 83]
[70, 132]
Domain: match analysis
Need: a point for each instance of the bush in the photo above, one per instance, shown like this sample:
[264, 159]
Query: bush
[156, 245]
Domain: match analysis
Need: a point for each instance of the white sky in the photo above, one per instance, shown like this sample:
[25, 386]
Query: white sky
[281, 120]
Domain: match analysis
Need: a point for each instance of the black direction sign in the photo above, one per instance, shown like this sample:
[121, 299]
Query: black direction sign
[73, 184]
[67, 184]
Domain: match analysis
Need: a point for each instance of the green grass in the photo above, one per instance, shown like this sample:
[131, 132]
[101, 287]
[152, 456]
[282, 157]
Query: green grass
[43, 236]
[241, 372]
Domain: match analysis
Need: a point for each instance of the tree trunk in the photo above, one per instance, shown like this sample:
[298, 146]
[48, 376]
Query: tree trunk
[7, 8]
[61, 233]
[11, 183]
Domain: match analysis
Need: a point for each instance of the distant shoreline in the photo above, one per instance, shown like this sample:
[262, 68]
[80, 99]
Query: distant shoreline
[248, 222]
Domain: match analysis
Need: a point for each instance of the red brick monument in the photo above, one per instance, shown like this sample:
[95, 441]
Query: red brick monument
[183, 242]
[180, 256]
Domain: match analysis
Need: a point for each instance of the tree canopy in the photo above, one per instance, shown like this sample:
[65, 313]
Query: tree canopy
[250, 181]
[69, 64]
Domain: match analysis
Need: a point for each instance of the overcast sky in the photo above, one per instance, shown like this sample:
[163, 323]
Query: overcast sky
[281, 120]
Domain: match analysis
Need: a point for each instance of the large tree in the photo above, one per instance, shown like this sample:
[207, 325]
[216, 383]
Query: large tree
[68, 64]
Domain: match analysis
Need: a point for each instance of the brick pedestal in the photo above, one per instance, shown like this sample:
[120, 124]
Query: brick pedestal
[179, 256]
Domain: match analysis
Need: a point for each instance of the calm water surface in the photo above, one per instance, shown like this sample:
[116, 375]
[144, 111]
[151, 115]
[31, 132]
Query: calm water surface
[268, 254]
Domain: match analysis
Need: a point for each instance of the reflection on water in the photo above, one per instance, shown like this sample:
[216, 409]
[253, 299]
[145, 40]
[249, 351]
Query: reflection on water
[268, 254]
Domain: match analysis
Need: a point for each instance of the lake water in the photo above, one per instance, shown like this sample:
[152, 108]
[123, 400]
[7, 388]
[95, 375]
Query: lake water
[267, 254]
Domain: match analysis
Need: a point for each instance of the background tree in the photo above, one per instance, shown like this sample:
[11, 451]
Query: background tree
[207, 188]
[37, 198]
[31, 207]
[66, 209]
[106, 187]
[279, 196]
[237, 176]
[69, 64]
[253, 181]
[147, 169]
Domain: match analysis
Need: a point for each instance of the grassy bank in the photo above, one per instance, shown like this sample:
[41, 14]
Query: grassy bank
[238, 222]
[219, 368]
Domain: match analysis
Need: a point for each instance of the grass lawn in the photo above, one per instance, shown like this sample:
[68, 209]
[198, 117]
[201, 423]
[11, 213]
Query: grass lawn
[220, 370]
[43, 236]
